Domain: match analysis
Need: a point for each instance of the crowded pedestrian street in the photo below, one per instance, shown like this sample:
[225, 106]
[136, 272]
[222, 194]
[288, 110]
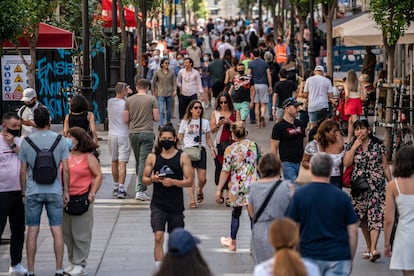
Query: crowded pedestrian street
[122, 242]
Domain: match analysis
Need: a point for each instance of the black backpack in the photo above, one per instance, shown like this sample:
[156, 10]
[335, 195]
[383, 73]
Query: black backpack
[45, 168]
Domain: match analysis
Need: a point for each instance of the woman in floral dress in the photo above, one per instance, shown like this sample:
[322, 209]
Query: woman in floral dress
[367, 154]
[240, 160]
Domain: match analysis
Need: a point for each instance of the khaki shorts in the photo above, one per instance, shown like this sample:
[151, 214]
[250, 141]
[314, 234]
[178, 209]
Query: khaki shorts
[119, 148]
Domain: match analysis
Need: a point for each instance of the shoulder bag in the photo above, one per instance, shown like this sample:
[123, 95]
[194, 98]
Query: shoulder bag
[259, 211]
[195, 152]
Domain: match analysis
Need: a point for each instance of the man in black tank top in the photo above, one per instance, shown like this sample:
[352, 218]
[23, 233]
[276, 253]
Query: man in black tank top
[169, 169]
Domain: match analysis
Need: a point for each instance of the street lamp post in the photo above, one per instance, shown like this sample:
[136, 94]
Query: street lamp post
[292, 33]
[86, 66]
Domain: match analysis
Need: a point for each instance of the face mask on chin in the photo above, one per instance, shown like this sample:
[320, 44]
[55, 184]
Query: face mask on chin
[14, 132]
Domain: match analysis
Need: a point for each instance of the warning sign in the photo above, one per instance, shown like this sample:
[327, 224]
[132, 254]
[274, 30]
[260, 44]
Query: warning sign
[18, 79]
[18, 69]
[18, 89]
[14, 77]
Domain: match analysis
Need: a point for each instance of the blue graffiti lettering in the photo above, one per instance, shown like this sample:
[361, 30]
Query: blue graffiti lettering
[59, 68]
[98, 118]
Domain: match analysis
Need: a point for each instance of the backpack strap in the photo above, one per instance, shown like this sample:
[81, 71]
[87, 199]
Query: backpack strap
[55, 143]
[32, 144]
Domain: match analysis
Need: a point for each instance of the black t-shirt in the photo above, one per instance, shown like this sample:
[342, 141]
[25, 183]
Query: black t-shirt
[242, 85]
[284, 90]
[290, 140]
[168, 199]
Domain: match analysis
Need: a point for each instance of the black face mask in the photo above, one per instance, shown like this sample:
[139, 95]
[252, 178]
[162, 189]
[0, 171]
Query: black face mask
[167, 144]
[30, 105]
[241, 72]
[15, 132]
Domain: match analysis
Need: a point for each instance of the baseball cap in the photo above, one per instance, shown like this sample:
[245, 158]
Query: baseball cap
[181, 242]
[319, 68]
[290, 101]
[28, 95]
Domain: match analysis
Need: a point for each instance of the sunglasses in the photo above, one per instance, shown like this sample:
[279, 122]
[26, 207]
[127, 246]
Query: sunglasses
[223, 102]
[197, 107]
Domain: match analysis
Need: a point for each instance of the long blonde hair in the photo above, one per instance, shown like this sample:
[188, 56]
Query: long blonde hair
[351, 81]
[284, 236]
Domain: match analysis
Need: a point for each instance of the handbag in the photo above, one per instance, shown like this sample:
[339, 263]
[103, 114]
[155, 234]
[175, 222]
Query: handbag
[359, 186]
[259, 211]
[304, 176]
[195, 152]
[77, 204]
[346, 177]
[221, 148]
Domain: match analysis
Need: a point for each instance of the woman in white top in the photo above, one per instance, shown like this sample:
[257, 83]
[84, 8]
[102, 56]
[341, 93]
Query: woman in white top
[189, 136]
[400, 196]
[284, 237]
[327, 139]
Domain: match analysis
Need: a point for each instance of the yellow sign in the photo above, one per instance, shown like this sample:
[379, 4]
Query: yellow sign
[18, 88]
[18, 69]
[18, 79]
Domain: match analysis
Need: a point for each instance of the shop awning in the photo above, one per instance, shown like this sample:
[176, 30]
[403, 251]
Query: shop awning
[50, 37]
[107, 15]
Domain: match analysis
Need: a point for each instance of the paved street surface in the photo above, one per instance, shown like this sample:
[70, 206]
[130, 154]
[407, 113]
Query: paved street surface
[122, 241]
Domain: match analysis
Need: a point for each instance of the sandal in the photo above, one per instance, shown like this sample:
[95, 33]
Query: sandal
[192, 205]
[200, 197]
[262, 120]
[228, 202]
[228, 243]
[366, 255]
[375, 255]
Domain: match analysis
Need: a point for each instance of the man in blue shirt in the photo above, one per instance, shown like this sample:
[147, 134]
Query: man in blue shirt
[328, 223]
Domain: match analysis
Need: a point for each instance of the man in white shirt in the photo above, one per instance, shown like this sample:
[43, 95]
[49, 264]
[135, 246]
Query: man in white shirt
[318, 89]
[189, 82]
[118, 141]
[26, 111]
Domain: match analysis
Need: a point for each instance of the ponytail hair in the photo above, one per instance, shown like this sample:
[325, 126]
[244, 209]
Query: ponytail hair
[284, 236]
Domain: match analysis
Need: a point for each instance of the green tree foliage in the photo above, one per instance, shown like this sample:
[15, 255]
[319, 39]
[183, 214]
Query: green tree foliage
[302, 12]
[393, 17]
[12, 25]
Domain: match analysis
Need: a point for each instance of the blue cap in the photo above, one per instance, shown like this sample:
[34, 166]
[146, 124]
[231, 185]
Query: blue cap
[181, 242]
[290, 101]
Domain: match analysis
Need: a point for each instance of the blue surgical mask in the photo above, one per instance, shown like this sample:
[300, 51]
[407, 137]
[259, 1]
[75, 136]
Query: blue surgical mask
[69, 143]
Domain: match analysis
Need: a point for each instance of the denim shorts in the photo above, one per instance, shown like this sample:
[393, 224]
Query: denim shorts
[34, 206]
[313, 116]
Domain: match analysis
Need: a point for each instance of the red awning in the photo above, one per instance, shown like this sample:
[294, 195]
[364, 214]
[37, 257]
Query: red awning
[50, 37]
[107, 15]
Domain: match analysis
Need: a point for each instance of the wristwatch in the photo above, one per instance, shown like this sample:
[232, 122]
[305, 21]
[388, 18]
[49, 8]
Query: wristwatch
[13, 146]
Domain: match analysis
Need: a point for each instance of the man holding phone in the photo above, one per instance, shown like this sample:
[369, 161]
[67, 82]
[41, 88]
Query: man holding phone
[170, 170]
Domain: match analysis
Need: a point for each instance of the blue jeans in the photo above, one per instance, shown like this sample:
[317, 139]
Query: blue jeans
[164, 104]
[141, 144]
[290, 171]
[270, 105]
[34, 205]
[333, 268]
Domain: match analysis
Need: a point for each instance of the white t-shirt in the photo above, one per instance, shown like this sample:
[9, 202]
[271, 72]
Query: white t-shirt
[26, 113]
[318, 88]
[266, 268]
[9, 166]
[313, 147]
[191, 130]
[116, 124]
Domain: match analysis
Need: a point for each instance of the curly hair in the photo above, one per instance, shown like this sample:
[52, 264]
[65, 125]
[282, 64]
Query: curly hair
[85, 142]
[79, 104]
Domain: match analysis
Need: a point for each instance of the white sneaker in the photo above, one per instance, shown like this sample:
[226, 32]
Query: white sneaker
[78, 270]
[68, 269]
[142, 196]
[18, 269]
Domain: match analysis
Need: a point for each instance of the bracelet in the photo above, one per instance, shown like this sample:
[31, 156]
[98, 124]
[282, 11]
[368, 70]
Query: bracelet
[92, 194]
[13, 146]
[273, 107]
